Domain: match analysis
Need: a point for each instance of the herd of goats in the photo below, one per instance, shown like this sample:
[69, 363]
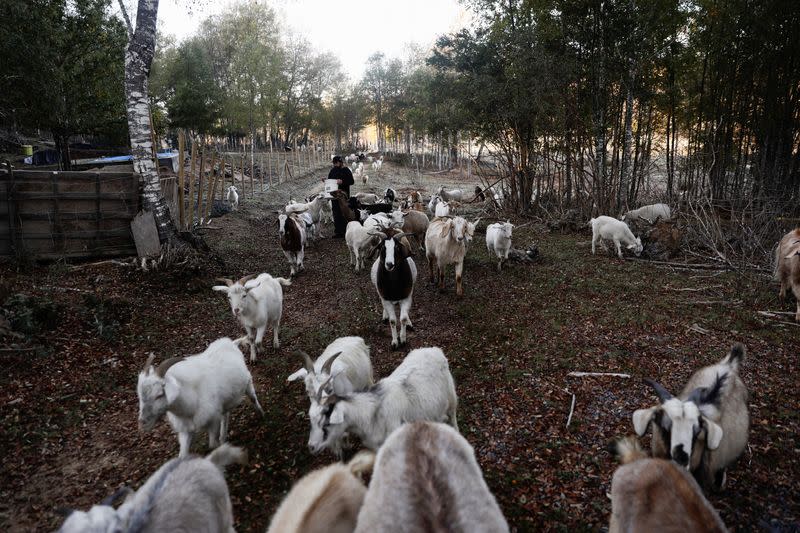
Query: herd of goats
[424, 475]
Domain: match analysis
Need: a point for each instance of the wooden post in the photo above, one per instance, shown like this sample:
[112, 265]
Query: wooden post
[181, 149]
[190, 218]
[252, 171]
[153, 141]
[261, 173]
[244, 188]
[201, 175]
[211, 178]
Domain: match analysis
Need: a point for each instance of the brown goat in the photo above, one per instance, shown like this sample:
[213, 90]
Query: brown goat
[348, 214]
[657, 495]
[787, 266]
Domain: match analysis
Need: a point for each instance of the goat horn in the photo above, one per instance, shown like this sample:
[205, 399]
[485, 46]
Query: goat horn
[226, 281]
[326, 368]
[662, 393]
[109, 500]
[322, 388]
[247, 278]
[149, 362]
[165, 365]
[307, 360]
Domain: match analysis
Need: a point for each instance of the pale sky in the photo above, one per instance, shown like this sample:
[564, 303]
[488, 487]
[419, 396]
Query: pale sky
[351, 29]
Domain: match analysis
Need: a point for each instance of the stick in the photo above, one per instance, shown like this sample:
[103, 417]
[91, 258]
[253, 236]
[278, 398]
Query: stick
[592, 374]
[772, 313]
[571, 410]
[689, 289]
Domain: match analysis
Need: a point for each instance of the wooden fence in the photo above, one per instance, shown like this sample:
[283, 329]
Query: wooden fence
[52, 215]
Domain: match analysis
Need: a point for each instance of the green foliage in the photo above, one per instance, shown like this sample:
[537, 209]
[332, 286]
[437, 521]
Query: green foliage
[31, 315]
[107, 315]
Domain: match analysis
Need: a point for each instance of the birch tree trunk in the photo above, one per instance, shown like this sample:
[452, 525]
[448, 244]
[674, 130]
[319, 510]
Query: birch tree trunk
[625, 170]
[138, 58]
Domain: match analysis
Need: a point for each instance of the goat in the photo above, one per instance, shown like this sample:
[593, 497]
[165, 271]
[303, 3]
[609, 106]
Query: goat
[292, 232]
[346, 359]
[367, 198]
[706, 428]
[376, 208]
[650, 213]
[442, 209]
[605, 227]
[446, 243]
[787, 266]
[479, 195]
[657, 495]
[257, 304]
[384, 220]
[426, 478]
[196, 392]
[389, 196]
[313, 207]
[185, 494]
[394, 274]
[340, 197]
[414, 198]
[325, 501]
[416, 223]
[452, 194]
[498, 241]
[435, 199]
[364, 178]
[420, 388]
[360, 243]
[233, 197]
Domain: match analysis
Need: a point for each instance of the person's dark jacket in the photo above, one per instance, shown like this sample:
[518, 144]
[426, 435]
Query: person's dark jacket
[343, 174]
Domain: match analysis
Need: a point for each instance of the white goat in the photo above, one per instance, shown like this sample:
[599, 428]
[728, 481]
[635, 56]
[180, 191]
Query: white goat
[425, 479]
[257, 304]
[435, 199]
[393, 219]
[367, 198]
[420, 388]
[325, 501]
[650, 213]
[498, 241]
[364, 179]
[787, 267]
[657, 495]
[360, 242]
[442, 209]
[313, 209]
[292, 232]
[233, 197]
[452, 194]
[182, 495]
[345, 362]
[605, 227]
[446, 244]
[705, 428]
[196, 392]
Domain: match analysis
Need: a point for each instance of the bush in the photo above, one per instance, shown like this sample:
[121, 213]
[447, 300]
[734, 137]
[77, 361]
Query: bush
[107, 316]
[31, 315]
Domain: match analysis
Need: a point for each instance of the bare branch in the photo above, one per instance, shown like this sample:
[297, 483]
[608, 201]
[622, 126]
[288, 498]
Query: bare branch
[127, 18]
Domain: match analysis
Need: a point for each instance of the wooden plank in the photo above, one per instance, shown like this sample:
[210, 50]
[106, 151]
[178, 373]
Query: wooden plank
[67, 216]
[123, 195]
[90, 235]
[145, 234]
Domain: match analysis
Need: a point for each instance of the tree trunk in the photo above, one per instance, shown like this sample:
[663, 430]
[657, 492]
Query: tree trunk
[625, 170]
[138, 58]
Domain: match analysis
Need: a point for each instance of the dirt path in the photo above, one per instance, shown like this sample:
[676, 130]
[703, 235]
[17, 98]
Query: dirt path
[69, 434]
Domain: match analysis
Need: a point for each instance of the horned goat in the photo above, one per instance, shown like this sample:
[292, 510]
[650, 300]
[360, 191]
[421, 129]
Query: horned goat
[257, 304]
[292, 232]
[426, 478]
[196, 392]
[787, 267]
[452, 194]
[657, 495]
[604, 227]
[325, 501]
[649, 213]
[446, 244]
[344, 365]
[420, 388]
[498, 241]
[705, 429]
[233, 197]
[185, 494]
[394, 274]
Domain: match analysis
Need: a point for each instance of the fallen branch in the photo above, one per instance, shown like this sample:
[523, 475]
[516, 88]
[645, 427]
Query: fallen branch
[777, 315]
[592, 374]
[697, 328]
[571, 410]
[689, 289]
[715, 302]
[773, 313]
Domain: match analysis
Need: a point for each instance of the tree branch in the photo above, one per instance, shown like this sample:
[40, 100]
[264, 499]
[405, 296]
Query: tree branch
[127, 18]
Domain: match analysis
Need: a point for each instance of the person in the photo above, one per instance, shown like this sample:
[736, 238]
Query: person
[344, 179]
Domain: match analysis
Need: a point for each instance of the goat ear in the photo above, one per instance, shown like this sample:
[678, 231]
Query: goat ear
[713, 434]
[300, 374]
[642, 418]
[171, 388]
[337, 417]
[447, 228]
[631, 246]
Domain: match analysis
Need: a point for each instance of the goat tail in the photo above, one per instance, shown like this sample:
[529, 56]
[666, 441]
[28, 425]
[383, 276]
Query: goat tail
[591, 221]
[362, 462]
[736, 356]
[227, 454]
[629, 450]
[283, 281]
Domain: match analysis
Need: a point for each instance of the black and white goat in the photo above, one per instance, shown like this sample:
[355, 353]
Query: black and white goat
[389, 196]
[394, 274]
[706, 428]
[292, 231]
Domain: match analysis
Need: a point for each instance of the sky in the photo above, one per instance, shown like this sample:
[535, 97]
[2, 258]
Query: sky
[351, 29]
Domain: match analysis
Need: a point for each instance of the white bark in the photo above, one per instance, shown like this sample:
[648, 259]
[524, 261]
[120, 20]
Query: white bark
[138, 58]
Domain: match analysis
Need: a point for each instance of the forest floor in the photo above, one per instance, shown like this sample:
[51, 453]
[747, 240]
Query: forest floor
[68, 409]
